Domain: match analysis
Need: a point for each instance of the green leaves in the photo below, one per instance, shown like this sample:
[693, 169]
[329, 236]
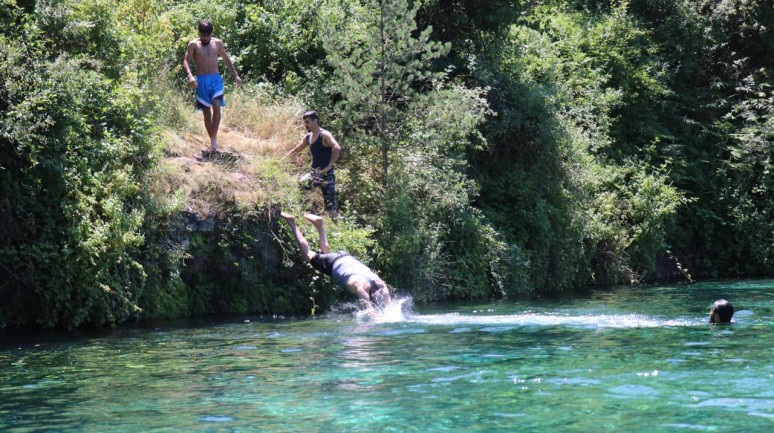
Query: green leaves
[410, 128]
[555, 144]
[381, 70]
[75, 147]
[280, 40]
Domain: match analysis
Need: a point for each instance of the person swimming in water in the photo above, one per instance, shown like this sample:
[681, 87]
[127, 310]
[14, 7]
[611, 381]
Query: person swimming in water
[721, 312]
[348, 271]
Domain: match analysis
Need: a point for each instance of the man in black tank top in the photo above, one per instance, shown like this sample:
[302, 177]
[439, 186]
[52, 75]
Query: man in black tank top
[325, 151]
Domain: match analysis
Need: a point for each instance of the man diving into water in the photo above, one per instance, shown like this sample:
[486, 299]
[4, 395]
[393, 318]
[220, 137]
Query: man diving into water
[358, 278]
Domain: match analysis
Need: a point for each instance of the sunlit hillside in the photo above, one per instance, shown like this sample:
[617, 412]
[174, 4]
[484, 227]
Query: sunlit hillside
[255, 134]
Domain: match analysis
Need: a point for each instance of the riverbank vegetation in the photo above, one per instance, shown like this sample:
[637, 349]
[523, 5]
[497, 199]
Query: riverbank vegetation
[490, 148]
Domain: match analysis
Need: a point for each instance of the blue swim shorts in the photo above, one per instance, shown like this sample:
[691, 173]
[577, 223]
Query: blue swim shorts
[209, 87]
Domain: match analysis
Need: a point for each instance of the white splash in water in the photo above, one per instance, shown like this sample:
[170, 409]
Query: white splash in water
[391, 313]
[532, 319]
[400, 309]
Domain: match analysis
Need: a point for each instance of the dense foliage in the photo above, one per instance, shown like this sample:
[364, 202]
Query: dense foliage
[489, 148]
[75, 147]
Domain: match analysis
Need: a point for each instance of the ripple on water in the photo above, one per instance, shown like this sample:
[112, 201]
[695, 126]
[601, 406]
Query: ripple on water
[761, 388]
[583, 381]
[473, 375]
[402, 331]
[632, 391]
[686, 426]
[750, 404]
[444, 369]
[509, 415]
[497, 328]
[506, 322]
[216, 418]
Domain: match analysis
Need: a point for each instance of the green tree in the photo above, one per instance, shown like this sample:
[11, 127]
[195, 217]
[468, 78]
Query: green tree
[74, 149]
[410, 126]
[382, 71]
[280, 41]
[717, 119]
[570, 146]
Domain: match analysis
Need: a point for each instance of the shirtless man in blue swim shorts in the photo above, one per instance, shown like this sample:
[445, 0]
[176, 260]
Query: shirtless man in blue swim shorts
[358, 278]
[205, 51]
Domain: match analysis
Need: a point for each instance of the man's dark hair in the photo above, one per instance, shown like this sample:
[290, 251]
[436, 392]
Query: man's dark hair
[311, 115]
[723, 311]
[205, 27]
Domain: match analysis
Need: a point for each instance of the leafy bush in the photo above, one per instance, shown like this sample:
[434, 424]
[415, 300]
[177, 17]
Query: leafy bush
[489, 149]
[409, 128]
[75, 148]
[566, 149]
[280, 41]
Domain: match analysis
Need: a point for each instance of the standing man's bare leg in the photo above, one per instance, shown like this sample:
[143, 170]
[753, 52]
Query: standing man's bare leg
[303, 245]
[317, 221]
[215, 124]
[207, 113]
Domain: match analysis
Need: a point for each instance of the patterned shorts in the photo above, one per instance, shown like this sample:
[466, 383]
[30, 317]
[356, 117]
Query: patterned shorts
[327, 184]
[329, 191]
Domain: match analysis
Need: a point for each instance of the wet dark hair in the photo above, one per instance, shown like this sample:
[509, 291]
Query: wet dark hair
[723, 311]
[205, 27]
[311, 115]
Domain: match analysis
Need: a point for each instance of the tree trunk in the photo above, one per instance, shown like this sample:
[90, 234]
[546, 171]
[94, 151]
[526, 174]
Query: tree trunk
[385, 145]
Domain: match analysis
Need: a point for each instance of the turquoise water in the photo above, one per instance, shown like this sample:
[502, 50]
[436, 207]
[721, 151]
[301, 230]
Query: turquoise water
[629, 360]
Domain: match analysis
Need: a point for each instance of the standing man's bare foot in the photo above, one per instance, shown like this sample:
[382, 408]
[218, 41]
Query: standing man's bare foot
[314, 219]
[334, 216]
[288, 217]
[210, 152]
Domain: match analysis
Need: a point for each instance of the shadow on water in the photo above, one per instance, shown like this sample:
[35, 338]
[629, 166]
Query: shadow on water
[11, 338]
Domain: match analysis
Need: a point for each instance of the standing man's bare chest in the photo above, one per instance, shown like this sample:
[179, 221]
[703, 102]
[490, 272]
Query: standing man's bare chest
[206, 57]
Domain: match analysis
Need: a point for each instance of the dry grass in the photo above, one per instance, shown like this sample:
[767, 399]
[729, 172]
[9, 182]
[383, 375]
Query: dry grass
[255, 134]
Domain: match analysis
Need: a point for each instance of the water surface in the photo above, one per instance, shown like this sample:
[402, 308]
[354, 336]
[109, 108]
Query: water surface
[626, 360]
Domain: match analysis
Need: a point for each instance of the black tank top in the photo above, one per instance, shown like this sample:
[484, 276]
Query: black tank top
[321, 155]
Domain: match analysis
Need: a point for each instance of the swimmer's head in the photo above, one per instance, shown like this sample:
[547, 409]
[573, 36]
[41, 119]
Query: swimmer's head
[721, 312]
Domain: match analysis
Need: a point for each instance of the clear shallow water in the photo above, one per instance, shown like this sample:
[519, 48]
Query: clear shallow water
[632, 360]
